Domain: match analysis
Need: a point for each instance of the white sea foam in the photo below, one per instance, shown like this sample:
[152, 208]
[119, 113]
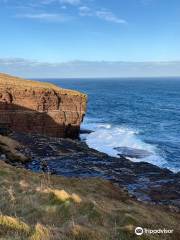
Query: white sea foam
[107, 138]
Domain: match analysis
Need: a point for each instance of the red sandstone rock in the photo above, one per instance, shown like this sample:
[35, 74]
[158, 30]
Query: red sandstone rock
[40, 108]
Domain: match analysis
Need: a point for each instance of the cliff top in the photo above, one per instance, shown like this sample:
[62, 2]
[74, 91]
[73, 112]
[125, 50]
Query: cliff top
[8, 80]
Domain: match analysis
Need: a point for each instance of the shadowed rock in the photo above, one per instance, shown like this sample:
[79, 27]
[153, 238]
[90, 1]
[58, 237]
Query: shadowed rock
[73, 158]
[133, 152]
[40, 108]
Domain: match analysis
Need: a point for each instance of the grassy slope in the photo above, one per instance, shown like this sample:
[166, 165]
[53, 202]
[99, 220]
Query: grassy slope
[41, 207]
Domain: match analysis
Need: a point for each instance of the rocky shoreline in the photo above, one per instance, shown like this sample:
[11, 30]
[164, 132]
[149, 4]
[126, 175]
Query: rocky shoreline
[45, 123]
[53, 186]
[73, 158]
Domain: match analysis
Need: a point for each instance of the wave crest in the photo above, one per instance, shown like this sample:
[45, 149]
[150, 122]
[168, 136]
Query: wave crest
[121, 140]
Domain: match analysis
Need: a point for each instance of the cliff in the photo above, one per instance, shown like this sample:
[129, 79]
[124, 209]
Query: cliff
[40, 108]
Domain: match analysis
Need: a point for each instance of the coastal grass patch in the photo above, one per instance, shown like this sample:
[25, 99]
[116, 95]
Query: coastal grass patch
[39, 206]
[80, 232]
[10, 148]
[13, 225]
[92, 212]
[57, 196]
[3, 173]
[20, 83]
[61, 212]
[41, 233]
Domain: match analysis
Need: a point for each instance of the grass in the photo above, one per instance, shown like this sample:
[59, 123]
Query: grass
[40, 233]
[43, 207]
[16, 82]
[13, 224]
[37, 206]
[62, 196]
[10, 148]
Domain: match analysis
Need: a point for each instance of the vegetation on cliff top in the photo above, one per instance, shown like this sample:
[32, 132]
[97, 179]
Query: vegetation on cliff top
[11, 81]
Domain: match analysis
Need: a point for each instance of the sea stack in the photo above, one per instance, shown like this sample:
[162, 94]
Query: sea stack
[40, 108]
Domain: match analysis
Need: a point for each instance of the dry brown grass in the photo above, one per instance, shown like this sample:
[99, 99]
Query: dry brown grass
[10, 148]
[13, 224]
[40, 233]
[62, 196]
[38, 206]
[16, 82]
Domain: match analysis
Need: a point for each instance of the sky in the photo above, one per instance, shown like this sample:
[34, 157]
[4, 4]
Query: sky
[90, 38]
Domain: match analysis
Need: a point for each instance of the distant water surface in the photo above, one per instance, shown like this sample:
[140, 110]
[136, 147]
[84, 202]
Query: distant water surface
[138, 118]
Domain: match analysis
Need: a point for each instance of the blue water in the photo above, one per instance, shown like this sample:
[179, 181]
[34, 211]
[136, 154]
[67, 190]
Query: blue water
[132, 115]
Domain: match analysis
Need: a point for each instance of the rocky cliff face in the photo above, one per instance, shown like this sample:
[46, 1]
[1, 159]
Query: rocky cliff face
[40, 108]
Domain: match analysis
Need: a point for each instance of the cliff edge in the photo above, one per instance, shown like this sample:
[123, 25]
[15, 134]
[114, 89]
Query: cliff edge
[40, 108]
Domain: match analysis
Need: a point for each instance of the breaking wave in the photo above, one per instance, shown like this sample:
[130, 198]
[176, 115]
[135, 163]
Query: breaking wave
[120, 140]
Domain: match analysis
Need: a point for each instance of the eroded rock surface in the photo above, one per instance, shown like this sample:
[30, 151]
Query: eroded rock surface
[73, 158]
[41, 108]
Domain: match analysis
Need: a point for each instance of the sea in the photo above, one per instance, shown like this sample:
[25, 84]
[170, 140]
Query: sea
[138, 118]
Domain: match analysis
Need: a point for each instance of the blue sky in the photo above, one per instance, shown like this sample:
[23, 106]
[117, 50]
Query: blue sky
[81, 32]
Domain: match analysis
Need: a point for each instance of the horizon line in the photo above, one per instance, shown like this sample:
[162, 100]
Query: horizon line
[57, 78]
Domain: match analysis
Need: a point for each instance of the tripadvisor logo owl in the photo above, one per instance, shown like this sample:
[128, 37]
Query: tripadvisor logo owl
[139, 231]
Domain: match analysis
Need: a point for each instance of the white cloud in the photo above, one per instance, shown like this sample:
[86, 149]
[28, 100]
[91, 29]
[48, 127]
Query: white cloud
[48, 17]
[109, 16]
[91, 69]
[101, 14]
[39, 10]
[44, 2]
[71, 2]
[85, 11]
